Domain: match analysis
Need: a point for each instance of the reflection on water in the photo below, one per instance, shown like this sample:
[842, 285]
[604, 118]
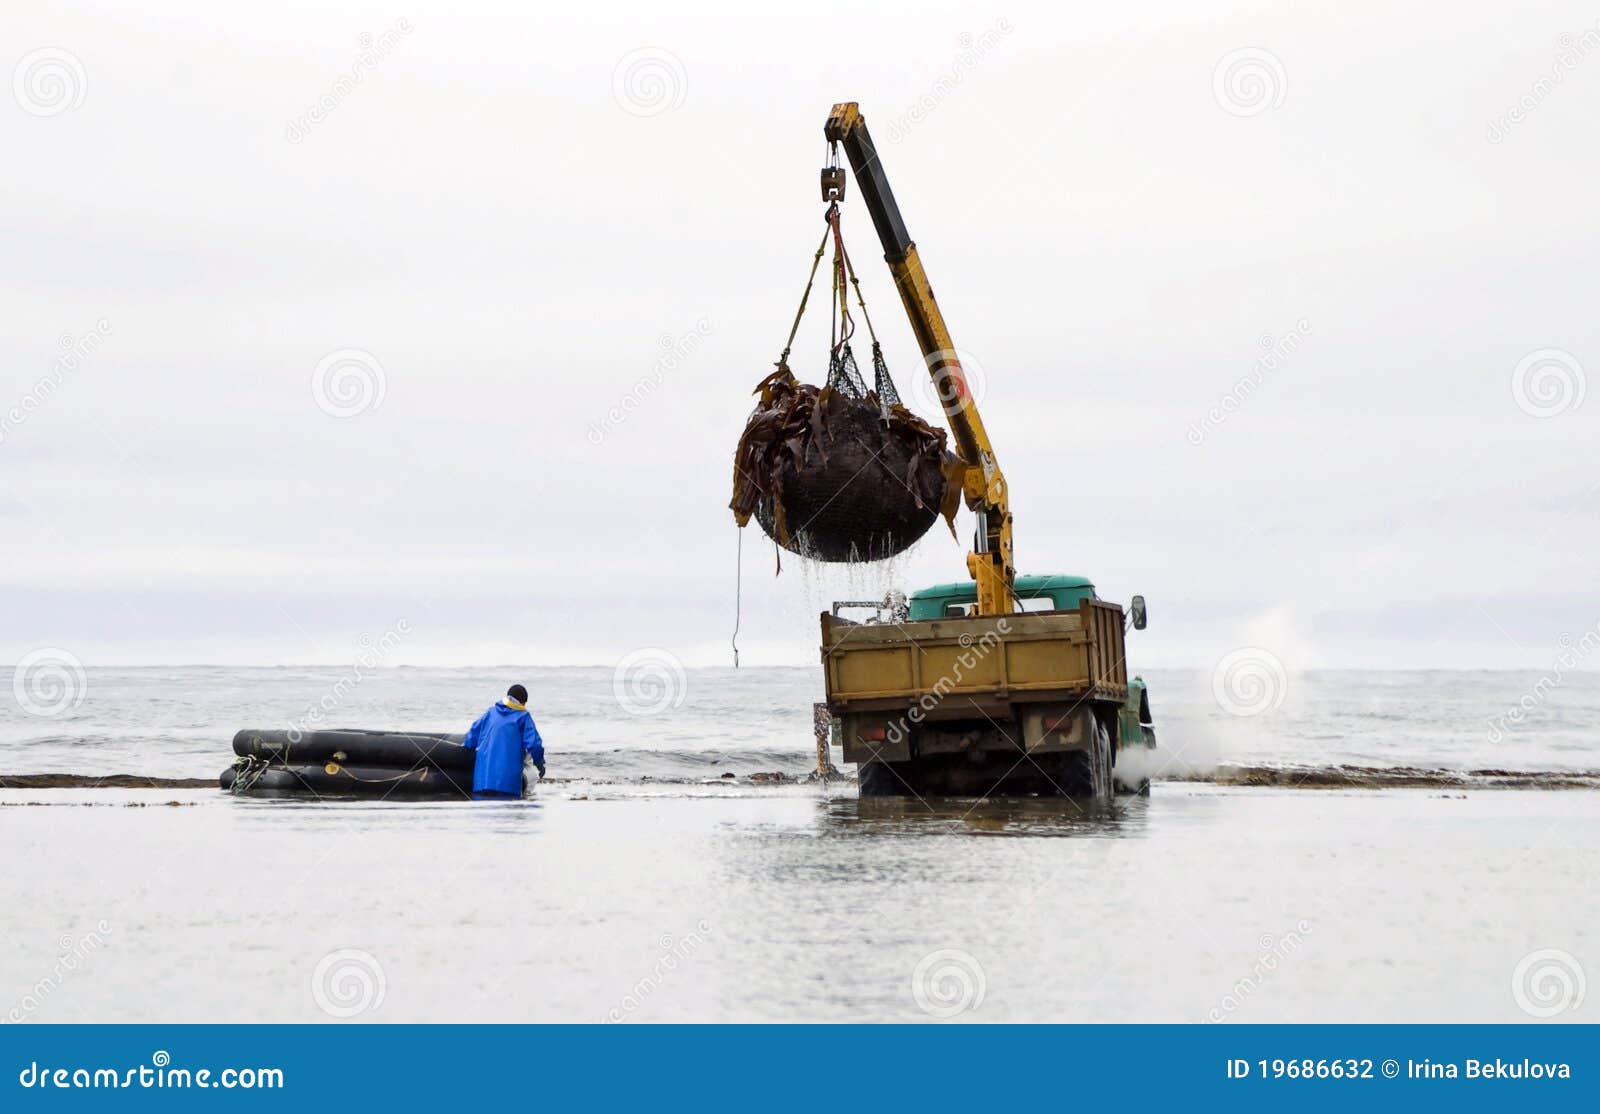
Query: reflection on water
[1061, 817]
[275, 817]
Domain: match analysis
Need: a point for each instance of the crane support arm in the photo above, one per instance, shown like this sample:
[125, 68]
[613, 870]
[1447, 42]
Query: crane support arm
[990, 563]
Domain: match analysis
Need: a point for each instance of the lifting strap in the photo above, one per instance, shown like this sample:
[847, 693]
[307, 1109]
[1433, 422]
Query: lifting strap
[843, 375]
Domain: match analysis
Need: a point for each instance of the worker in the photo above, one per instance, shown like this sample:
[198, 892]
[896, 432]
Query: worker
[501, 737]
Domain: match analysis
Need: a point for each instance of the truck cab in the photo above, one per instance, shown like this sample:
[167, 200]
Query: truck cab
[1036, 593]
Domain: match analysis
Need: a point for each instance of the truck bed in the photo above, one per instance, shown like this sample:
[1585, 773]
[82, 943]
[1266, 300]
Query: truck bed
[961, 667]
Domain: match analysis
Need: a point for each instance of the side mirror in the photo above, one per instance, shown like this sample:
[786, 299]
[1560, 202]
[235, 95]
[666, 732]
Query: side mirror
[1136, 611]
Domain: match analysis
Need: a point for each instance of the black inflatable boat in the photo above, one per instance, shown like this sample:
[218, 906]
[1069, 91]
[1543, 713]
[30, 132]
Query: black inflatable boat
[317, 765]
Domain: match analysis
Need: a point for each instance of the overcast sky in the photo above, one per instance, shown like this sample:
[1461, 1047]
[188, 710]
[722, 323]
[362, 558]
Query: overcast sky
[473, 231]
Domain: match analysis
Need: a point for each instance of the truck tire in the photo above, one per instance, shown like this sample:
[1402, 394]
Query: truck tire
[878, 780]
[1087, 773]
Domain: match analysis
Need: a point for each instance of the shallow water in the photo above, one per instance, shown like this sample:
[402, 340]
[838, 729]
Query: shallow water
[643, 887]
[784, 904]
[652, 719]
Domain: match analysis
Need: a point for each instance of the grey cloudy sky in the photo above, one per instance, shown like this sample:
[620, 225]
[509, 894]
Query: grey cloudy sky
[511, 218]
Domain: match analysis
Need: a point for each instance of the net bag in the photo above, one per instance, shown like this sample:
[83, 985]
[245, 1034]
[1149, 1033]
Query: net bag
[837, 476]
[841, 472]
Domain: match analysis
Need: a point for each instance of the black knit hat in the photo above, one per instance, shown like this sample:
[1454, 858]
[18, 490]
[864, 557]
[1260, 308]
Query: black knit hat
[518, 693]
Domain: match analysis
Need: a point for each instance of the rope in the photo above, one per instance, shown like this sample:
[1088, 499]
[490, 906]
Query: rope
[401, 776]
[883, 385]
[862, 302]
[738, 596]
[247, 771]
[841, 291]
[816, 261]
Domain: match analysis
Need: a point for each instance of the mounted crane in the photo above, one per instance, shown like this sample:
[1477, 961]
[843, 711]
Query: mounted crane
[997, 685]
[989, 564]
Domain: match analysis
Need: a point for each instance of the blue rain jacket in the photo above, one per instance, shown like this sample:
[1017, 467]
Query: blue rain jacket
[500, 736]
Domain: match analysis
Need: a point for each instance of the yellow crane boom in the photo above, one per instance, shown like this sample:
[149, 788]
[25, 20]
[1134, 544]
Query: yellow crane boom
[990, 563]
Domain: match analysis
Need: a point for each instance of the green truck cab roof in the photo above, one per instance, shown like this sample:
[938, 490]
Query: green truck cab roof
[1054, 592]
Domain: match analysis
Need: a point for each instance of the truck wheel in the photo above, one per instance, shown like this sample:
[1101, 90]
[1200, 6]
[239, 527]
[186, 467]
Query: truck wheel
[878, 780]
[1105, 758]
[1087, 773]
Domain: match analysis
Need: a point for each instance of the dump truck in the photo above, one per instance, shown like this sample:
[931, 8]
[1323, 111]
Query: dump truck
[997, 685]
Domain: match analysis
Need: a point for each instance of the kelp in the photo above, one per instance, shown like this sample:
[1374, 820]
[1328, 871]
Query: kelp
[839, 477]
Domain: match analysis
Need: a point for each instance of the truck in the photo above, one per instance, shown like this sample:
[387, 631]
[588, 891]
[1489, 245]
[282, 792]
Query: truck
[999, 685]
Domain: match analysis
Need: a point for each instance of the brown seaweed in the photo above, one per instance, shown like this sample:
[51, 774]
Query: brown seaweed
[841, 478]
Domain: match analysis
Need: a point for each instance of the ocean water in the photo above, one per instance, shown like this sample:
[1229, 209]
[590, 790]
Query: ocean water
[642, 886]
[652, 719]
